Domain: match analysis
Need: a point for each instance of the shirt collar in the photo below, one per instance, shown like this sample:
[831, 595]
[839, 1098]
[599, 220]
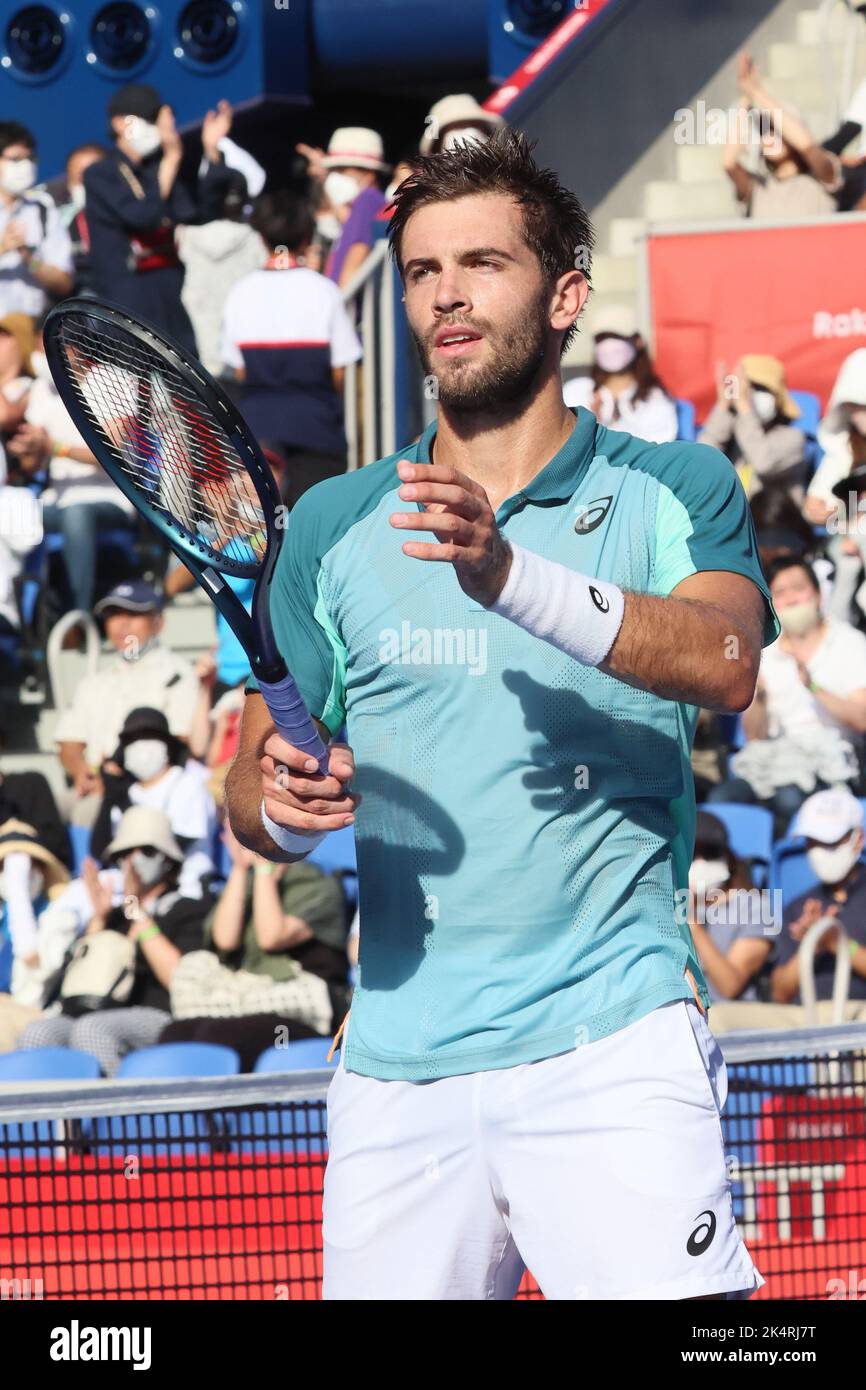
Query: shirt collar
[559, 478]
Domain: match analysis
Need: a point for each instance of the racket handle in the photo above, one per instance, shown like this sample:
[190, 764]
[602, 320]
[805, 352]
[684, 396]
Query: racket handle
[292, 719]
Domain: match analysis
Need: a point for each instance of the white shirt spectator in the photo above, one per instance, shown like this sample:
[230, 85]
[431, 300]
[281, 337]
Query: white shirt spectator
[839, 665]
[653, 419]
[183, 795]
[69, 481]
[20, 291]
[158, 679]
[20, 532]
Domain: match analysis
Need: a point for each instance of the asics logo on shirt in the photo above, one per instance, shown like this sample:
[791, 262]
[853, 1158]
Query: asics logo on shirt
[701, 1237]
[591, 515]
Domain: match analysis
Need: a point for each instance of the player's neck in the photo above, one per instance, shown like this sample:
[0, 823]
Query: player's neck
[504, 451]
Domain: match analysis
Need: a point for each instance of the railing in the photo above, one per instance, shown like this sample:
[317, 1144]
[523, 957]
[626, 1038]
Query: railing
[368, 390]
[212, 1188]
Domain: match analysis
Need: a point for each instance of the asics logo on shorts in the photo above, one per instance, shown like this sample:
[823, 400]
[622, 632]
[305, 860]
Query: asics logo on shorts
[701, 1237]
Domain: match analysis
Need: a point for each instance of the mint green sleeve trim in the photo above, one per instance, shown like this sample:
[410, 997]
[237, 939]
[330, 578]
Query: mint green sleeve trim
[334, 711]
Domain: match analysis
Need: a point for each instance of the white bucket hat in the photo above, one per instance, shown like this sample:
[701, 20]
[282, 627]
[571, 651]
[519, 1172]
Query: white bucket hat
[462, 109]
[356, 147]
[140, 826]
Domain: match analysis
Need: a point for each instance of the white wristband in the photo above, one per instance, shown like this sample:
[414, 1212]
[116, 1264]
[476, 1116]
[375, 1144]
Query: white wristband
[288, 840]
[578, 615]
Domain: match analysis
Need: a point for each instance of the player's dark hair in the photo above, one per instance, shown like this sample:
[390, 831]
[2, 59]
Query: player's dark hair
[13, 133]
[555, 223]
[283, 219]
[791, 562]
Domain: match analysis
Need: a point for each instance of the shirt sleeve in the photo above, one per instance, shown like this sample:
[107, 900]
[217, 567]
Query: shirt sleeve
[345, 343]
[703, 523]
[305, 631]
[56, 248]
[181, 700]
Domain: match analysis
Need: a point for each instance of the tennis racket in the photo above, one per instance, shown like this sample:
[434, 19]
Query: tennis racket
[167, 434]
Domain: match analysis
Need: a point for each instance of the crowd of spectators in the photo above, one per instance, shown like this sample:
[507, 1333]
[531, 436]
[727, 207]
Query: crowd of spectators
[188, 935]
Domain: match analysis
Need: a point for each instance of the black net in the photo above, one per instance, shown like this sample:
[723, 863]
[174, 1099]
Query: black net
[179, 458]
[226, 1203]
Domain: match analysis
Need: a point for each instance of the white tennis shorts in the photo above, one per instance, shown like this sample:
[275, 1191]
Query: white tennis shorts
[602, 1170]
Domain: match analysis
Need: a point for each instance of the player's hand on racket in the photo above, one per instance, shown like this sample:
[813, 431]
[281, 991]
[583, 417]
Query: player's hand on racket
[458, 513]
[297, 796]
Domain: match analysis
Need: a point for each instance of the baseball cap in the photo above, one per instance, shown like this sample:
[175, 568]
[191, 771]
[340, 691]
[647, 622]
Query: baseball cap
[829, 815]
[136, 99]
[135, 596]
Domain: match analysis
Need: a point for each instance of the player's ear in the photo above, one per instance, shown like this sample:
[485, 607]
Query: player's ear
[570, 293]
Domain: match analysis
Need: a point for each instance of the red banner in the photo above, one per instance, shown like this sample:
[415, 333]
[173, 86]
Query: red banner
[797, 292]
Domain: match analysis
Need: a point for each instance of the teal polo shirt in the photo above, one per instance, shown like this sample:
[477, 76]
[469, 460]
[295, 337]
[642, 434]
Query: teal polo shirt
[525, 821]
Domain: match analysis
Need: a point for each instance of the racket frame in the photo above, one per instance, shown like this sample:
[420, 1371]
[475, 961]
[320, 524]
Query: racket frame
[253, 630]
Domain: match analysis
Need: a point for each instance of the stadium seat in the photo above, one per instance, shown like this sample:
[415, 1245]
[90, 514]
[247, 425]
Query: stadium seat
[336, 855]
[28, 1139]
[809, 419]
[307, 1054]
[180, 1059]
[790, 870]
[686, 427]
[750, 828]
[48, 1064]
[79, 840]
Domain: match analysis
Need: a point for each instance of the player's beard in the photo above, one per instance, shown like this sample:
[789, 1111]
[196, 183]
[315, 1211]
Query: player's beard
[516, 356]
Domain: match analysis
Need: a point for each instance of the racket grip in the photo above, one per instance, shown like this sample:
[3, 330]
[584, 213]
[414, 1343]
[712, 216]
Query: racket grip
[292, 719]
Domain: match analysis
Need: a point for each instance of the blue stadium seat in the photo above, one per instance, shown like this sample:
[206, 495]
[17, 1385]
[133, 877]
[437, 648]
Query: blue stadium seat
[790, 870]
[48, 1064]
[809, 419]
[336, 855]
[79, 840]
[686, 427]
[305, 1055]
[750, 828]
[187, 1132]
[181, 1059]
[21, 1140]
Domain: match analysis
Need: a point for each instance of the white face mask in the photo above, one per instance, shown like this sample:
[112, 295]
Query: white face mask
[340, 189]
[832, 865]
[149, 868]
[17, 175]
[143, 136]
[36, 884]
[145, 758]
[708, 875]
[329, 226]
[41, 370]
[76, 196]
[615, 354]
[465, 135]
[799, 618]
[764, 404]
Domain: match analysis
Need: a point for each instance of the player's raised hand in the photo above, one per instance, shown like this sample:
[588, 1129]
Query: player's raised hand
[459, 514]
[297, 796]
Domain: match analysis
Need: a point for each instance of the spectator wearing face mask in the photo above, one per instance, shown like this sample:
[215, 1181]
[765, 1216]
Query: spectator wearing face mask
[805, 727]
[80, 499]
[68, 193]
[35, 252]
[288, 339]
[725, 919]
[30, 876]
[354, 163]
[135, 200]
[800, 178]
[842, 436]
[163, 924]
[456, 119]
[751, 424]
[143, 672]
[623, 390]
[151, 767]
[832, 823]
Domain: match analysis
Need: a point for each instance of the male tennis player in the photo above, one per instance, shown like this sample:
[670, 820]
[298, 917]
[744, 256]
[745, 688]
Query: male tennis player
[516, 618]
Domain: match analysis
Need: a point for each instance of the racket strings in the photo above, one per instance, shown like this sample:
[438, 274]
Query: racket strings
[177, 456]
